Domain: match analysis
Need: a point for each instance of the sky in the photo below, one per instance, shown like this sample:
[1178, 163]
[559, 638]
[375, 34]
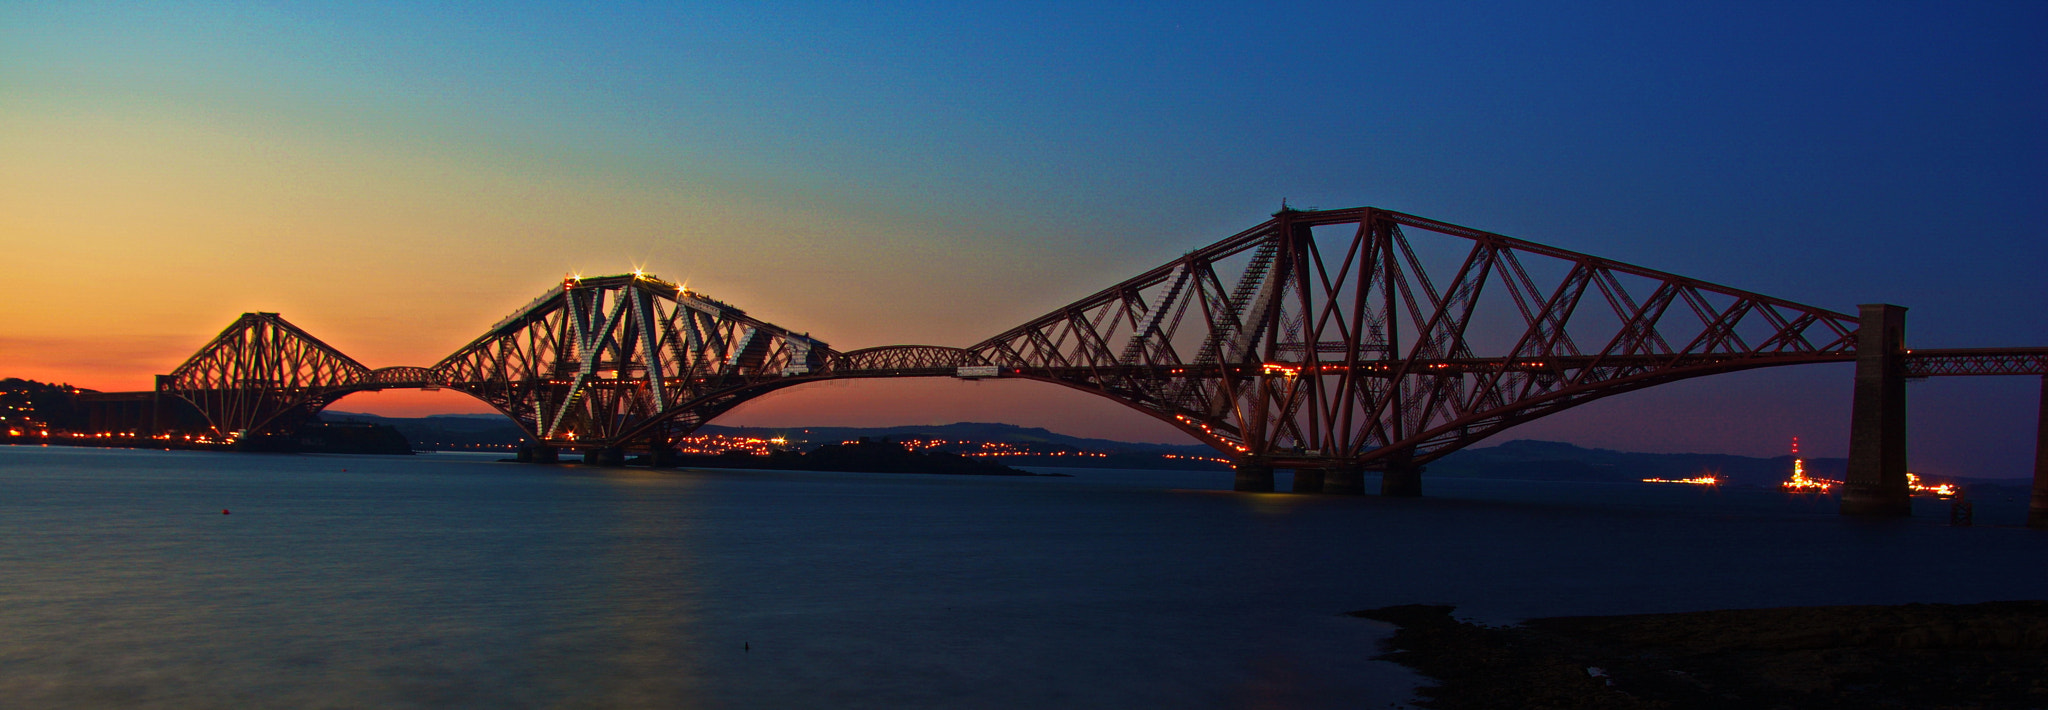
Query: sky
[395, 177]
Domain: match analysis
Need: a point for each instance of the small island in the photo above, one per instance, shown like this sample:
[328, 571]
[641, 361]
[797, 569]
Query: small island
[863, 455]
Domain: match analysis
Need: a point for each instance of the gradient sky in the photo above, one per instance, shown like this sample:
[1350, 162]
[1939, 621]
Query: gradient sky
[396, 177]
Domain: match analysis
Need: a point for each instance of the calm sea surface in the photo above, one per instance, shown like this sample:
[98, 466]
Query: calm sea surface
[450, 580]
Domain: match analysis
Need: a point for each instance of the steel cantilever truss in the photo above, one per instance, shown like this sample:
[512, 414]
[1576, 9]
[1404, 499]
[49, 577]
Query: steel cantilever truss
[1323, 337]
[608, 360]
[1358, 337]
[591, 363]
[261, 369]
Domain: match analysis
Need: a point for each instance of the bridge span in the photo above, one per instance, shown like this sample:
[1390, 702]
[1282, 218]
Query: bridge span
[1331, 342]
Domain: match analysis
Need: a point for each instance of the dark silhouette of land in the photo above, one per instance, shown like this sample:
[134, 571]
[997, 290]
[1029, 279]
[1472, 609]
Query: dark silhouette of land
[863, 455]
[1991, 655]
[46, 413]
[1527, 459]
[1003, 443]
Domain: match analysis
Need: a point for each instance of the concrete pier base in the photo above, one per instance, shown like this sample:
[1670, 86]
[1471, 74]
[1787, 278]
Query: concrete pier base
[2037, 508]
[1253, 477]
[532, 453]
[1875, 501]
[607, 456]
[662, 457]
[1344, 481]
[1876, 483]
[1402, 480]
[1308, 480]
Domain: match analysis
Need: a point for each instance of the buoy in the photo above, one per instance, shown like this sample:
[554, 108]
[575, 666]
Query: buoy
[223, 511]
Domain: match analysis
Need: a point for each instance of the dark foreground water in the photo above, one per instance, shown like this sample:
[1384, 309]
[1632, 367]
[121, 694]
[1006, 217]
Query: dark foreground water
[456, 581]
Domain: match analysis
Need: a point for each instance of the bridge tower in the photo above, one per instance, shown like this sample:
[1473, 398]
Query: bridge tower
[1876, 483]
[2037, 508]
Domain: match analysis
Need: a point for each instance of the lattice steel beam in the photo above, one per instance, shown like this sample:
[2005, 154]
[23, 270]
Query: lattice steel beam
[609, 360]
[1976, 361]
[259, 369]
[1340, 338]
[1332, 337]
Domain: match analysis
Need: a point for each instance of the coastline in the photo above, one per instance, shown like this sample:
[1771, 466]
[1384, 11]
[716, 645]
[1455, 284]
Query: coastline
[1985, 655]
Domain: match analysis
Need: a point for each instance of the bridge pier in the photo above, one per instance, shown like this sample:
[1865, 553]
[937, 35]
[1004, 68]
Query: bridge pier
[538, 453]
[156, 404]
[1253, 476]
[2037, 508]
[1401, 480]
[663, 456]
[1345, 480]
[605, 456]
[1876, 483]
[1308, 480]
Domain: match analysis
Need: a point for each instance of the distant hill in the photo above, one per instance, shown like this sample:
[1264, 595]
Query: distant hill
[452, 430]
[444, 432]
[1522, 459]
[963, 431]
[28, 404]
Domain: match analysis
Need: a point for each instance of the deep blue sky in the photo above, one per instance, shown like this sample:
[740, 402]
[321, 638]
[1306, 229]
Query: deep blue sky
[935, 173]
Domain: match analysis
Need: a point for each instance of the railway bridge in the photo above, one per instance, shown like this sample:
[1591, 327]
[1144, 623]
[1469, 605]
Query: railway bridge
[1330, 342]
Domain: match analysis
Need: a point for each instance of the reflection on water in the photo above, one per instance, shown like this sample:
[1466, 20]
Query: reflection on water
[451, 580]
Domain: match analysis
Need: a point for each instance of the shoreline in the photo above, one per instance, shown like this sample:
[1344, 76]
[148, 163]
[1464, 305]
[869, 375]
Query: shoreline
[1985, 655]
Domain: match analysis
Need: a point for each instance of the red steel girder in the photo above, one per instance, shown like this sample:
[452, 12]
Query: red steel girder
[1340, 337]
[610, 360]
[1976, 361]
[1325, 336]
[904, 361]
[258, 370]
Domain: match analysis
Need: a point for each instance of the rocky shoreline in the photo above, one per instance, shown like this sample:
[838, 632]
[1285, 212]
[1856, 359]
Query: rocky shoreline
[1990, 655]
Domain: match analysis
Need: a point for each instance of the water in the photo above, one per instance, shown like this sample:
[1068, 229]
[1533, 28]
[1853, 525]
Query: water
[456, 581]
